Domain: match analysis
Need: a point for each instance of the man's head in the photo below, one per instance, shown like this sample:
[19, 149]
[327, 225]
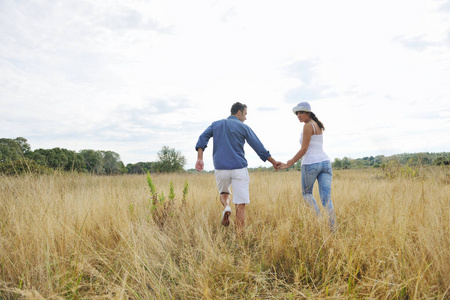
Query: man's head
[239, 110]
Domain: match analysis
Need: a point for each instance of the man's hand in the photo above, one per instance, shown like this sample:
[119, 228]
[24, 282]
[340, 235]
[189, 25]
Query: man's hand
[276, 165]
[199, 165]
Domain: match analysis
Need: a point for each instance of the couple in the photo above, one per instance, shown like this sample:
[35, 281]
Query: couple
[231, 166]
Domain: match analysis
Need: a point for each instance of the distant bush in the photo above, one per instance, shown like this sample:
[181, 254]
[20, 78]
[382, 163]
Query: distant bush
[393, 169]
[443, 160]
[408, 160]
[23, 166]
[141, 168]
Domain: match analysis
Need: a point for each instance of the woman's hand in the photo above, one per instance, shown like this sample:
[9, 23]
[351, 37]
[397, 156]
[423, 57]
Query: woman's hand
[283, 166]
[286, 165]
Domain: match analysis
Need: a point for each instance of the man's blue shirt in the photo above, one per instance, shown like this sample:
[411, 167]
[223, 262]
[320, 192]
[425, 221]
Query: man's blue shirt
[228, 143]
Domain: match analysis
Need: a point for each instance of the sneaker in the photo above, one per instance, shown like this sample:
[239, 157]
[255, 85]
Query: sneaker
[225, 216]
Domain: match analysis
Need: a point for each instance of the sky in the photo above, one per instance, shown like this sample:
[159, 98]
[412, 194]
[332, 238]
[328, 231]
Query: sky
[133, 76]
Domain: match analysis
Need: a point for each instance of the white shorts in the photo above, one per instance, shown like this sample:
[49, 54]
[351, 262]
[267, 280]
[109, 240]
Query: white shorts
[237, 178]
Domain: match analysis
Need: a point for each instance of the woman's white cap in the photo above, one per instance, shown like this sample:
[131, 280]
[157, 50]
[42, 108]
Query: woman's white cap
[302, 106]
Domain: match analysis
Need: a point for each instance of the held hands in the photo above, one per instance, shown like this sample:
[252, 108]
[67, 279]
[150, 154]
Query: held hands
[276, 165]
[283, 166]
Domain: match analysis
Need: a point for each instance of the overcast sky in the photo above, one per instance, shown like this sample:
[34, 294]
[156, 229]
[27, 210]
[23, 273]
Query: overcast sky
[132, 76]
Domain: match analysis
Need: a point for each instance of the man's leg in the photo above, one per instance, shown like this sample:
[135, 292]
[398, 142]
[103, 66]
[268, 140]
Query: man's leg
[225, 200]
[240, 219]
[240, 182]
[223, 179]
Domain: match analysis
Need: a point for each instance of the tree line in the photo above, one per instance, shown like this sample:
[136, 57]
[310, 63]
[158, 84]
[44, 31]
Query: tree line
[16, 156]
[380, 161]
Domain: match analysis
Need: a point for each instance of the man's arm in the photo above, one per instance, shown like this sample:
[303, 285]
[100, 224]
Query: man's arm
[199, 164]
[201, 146]
[256, 144]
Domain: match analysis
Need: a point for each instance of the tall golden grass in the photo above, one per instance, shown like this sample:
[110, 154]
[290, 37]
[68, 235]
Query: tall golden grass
[69, 236]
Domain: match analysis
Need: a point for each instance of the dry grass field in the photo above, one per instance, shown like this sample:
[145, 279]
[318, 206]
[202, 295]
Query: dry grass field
[70, 236]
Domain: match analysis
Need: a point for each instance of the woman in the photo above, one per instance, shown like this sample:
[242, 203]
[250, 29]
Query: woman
[315, 162]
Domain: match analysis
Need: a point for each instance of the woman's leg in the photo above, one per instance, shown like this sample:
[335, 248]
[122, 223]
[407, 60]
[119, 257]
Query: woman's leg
[324, 179]
[309, 175]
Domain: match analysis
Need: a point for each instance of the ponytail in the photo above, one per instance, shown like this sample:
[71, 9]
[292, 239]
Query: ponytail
[313, 116]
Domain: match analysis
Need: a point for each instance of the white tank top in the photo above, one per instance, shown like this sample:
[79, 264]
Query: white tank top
[315, 153]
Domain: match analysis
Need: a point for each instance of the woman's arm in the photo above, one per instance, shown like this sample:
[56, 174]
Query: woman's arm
[307, 133]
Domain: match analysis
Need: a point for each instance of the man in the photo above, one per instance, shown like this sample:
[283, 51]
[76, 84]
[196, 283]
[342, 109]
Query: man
[229, 160]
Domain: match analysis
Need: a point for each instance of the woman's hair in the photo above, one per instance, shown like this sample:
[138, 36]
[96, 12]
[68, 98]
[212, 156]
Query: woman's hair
[237, 107]
[313, 116]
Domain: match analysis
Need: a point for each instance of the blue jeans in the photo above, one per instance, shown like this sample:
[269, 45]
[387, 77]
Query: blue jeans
[323, 173]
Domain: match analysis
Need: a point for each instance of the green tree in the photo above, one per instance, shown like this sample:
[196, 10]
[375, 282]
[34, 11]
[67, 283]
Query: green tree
[111, 162]
[123, 169]
[75, 162]
[93, 160]
[170, 160]
[346, 163]
[13, 149]
[23, 145]
[337, 164]
[39, 156]
[135, 169]
[58, 158]
[142, 168]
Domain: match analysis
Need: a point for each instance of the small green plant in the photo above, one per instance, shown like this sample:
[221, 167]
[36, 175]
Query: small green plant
[162, 210]
[185, 192]
[152, 187]
[171, 191]
[409, 171]
[390, 169]
[162, 198]
[394, 169]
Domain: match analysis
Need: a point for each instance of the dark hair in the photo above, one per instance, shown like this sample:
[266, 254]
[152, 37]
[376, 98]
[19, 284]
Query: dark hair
[313, 116]
[238, 106]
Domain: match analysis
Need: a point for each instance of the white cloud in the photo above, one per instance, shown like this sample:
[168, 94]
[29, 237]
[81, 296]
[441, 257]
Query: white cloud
[132, 76]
